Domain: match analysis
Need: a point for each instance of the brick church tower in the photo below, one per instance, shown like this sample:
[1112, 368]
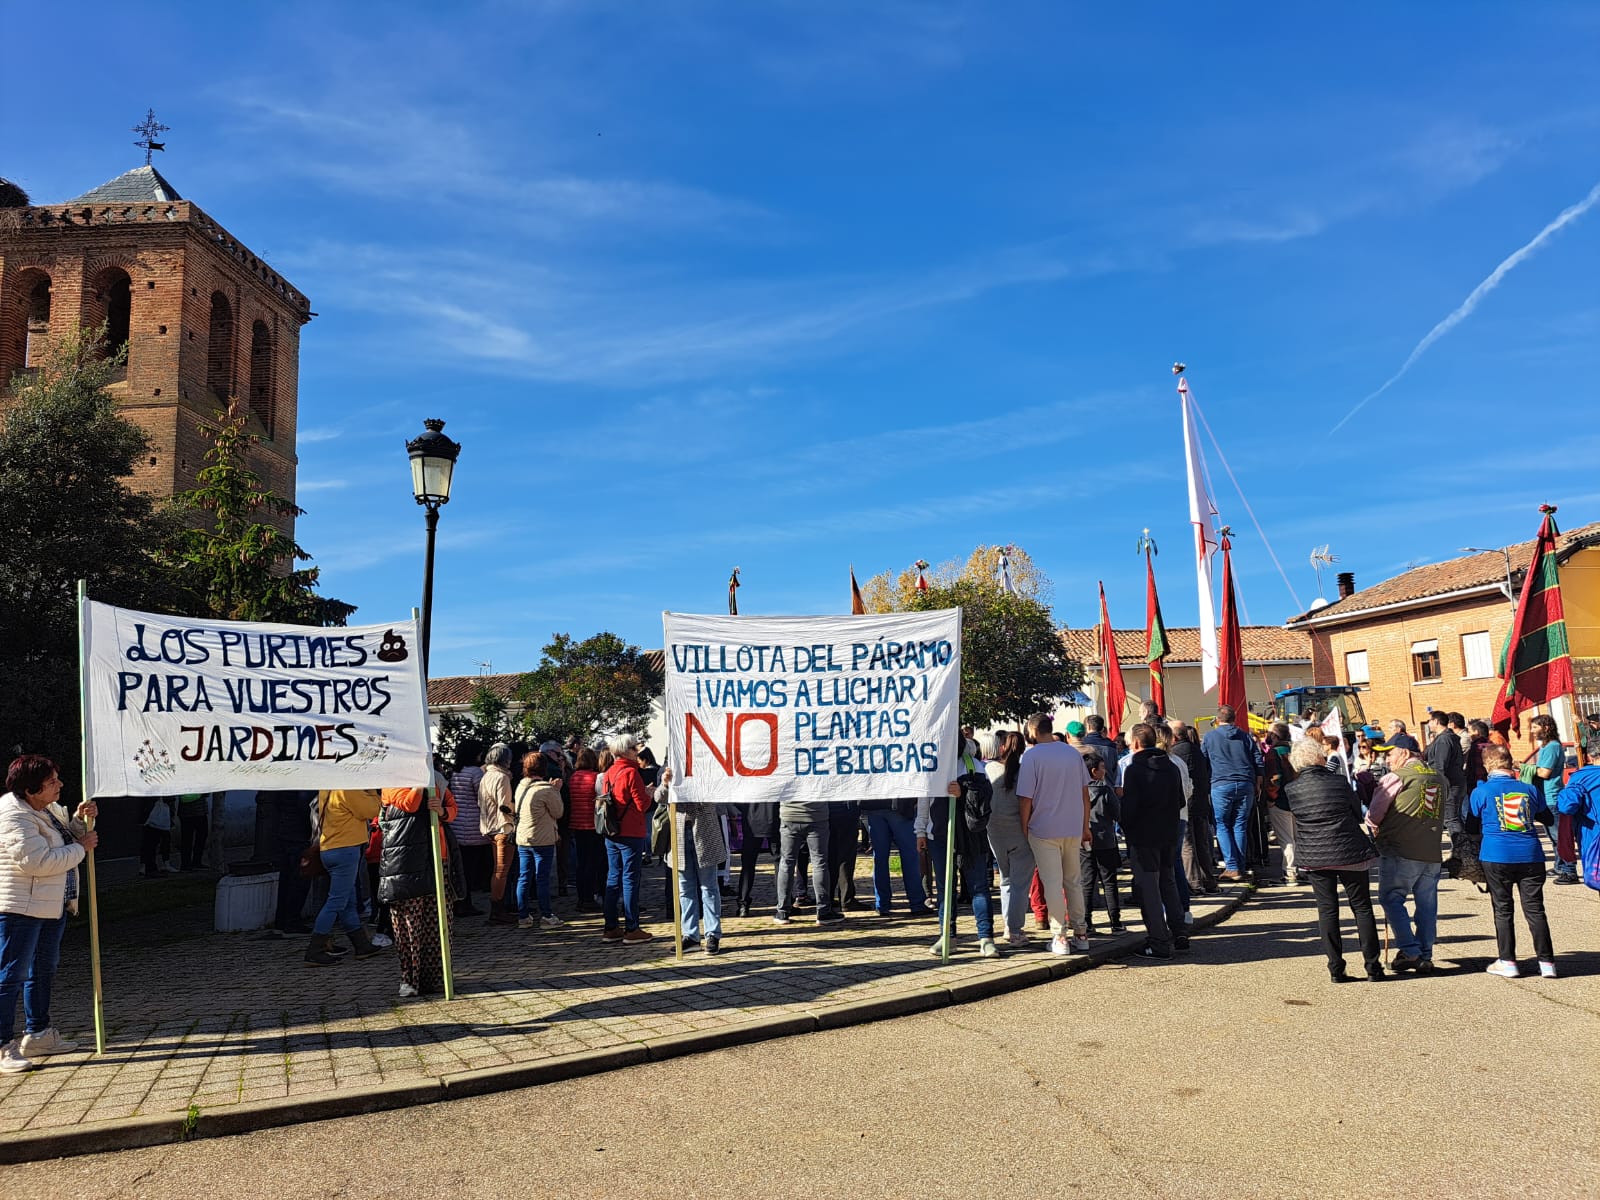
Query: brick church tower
[204, 319]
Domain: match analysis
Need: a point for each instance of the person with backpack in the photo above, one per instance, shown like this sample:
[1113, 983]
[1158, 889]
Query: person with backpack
[1407, 811]
[1507, 813]
[973, 797]
[622, 789]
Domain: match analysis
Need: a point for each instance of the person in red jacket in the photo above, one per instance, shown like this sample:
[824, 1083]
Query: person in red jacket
[625, 852]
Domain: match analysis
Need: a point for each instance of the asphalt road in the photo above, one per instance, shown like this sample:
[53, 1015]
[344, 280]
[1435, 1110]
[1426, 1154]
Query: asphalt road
[1240, 1072]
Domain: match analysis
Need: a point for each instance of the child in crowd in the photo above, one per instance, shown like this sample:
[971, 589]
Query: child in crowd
[1101, 860]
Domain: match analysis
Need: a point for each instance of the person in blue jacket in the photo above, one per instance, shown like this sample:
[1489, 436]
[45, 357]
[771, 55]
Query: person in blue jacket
[1580, 800]
[1509, 812]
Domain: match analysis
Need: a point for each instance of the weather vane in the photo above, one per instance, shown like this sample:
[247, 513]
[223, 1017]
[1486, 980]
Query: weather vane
[150, 127]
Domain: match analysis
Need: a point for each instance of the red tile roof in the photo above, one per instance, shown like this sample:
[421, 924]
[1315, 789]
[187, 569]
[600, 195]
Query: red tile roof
[1262, 643]
[459, 689]
[1452, 575]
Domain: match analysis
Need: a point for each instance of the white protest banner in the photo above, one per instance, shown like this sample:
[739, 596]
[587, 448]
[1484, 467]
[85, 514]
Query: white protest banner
[178, 704]
[812, 708]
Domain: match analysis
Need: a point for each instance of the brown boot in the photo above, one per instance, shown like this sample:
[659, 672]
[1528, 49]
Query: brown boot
[498, 914]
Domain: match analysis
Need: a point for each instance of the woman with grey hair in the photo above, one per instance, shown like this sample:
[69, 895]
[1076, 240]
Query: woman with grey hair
[497, 820]
[625, 850]
[1334, 851]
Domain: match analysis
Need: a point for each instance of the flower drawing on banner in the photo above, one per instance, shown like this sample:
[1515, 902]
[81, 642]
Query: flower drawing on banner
[153, 763]
[376, 748]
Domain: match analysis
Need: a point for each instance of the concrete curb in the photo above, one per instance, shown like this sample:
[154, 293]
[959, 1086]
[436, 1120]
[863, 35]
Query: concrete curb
[166, 1128]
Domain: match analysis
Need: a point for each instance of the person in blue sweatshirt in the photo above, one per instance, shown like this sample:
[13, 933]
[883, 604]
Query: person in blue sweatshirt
[1508, 812]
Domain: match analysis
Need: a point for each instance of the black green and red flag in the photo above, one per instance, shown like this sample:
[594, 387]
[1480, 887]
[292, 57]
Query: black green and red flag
[1155, 636]
[1536, 661]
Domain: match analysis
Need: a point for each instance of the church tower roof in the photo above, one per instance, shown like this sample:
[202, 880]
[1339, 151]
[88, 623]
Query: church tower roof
[142, 185]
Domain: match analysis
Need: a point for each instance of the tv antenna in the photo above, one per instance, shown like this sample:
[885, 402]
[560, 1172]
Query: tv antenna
[1321, 558]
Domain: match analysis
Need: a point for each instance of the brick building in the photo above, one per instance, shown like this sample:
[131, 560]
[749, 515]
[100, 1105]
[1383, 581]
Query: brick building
[1275, 659]
[204, 319]
[1431, 637]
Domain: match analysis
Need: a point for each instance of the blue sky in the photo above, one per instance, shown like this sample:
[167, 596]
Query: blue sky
[789, 286]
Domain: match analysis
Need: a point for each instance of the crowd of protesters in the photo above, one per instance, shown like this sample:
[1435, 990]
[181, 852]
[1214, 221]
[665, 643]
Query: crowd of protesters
[1051, 820]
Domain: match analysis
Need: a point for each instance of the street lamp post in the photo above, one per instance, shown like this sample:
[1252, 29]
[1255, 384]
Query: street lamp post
[1504, 553]
[433, 463]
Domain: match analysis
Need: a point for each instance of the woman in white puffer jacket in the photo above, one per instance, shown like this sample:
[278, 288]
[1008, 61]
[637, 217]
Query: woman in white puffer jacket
[40, 849]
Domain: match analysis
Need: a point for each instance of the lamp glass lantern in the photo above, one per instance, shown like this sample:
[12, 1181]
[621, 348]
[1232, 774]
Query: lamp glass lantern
[433, 463]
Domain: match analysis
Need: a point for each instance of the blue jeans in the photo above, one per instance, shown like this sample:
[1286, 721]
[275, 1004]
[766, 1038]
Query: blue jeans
[1398, 879]
[699, 893]
[972, 860]
[1230, 804]
[533, 878]
[343, 865]
[889, 830]
[624, 880]
[30, 947]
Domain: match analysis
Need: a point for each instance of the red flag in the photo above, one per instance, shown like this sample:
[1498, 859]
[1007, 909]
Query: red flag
[1536, 663]
[1230, 654]
[1116, 693]
[858, 606]
[1155, 637]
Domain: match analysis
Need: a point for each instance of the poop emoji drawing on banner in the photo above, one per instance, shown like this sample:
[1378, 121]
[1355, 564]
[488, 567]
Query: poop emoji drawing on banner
[392, 648]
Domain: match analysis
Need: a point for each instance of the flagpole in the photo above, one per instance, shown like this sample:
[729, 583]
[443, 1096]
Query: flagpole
[435, 836]
[677, 890]
[83, 755]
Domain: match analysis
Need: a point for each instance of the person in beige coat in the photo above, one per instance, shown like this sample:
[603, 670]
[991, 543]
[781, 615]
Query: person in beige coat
[538, 806]
[497, 822]
[40, 849]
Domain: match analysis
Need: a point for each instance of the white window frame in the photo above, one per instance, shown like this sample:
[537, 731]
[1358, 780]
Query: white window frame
[1485, 655]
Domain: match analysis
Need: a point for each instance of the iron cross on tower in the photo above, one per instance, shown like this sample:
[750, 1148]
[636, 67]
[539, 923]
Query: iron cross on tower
[150, 127]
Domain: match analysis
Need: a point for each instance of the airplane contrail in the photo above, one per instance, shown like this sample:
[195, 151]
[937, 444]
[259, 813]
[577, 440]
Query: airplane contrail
[1464, 311]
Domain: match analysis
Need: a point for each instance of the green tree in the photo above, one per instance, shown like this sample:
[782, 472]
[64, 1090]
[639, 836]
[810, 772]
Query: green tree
[600, 685]
[487, 720]
[1013, 662]
[239, 565]
[65, 457]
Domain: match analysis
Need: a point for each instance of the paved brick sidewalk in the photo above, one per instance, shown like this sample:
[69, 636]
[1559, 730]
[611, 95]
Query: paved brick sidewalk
[219, 1020]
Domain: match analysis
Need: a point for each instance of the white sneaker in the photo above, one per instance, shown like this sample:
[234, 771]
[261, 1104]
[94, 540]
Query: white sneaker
[987, 948]
[11, 1060]
[45, 1042]
[528, 923]
[1547, 969]
[1503, 968]
[382, 941]
[407, 991]
[1058, 945]
[553, 922]
[937, 949]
